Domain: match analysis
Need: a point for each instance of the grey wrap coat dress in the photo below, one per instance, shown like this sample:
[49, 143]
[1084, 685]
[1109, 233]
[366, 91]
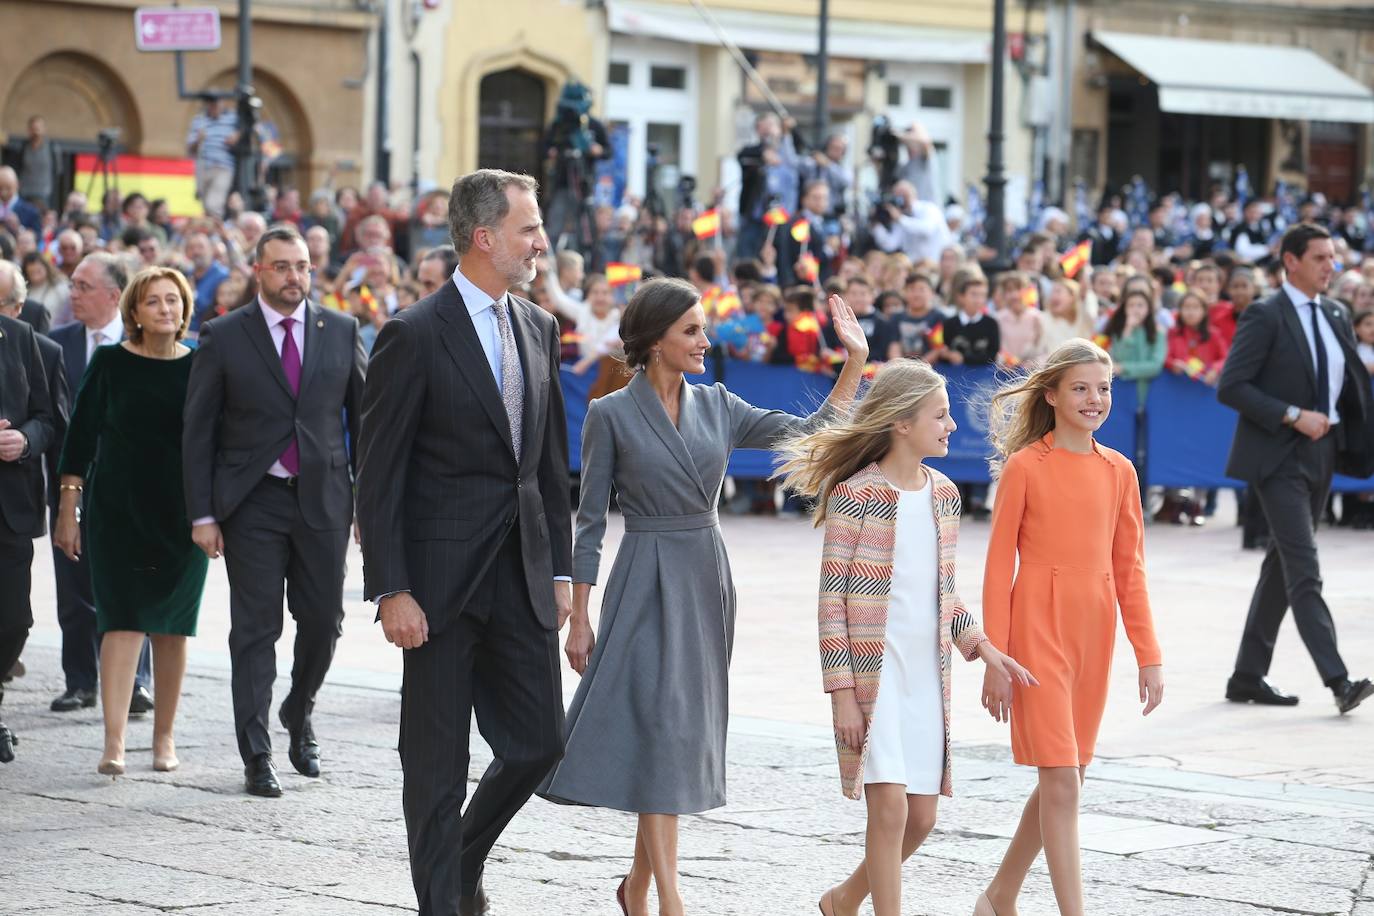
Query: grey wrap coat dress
[646, 729]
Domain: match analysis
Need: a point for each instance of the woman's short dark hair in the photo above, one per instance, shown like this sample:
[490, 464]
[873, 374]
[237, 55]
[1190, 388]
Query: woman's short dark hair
[1296, 239]
[653, 309]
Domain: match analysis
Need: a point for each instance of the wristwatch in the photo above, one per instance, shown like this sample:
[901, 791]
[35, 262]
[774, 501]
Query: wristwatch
[1291, 415]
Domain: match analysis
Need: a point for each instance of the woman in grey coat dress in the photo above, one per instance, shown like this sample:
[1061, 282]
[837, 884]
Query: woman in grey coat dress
[646, 729]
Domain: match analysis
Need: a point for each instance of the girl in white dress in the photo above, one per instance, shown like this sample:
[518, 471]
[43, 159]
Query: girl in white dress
[890, 618]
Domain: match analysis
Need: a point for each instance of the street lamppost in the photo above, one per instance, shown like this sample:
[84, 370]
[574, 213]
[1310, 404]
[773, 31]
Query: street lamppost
[996, 179]
[822, 76]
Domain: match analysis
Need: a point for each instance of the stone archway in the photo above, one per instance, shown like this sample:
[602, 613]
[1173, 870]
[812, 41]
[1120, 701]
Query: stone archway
[467, 96]
[77, 96]
[512, 105]
[286, 119]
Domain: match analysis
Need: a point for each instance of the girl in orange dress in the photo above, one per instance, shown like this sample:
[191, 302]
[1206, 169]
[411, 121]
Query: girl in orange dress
[1068, 508]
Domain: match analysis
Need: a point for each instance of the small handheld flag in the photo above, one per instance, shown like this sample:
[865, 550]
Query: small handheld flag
[776, 216]
[618, 274]
[801, 231]
[1073, 260]
[706, 225]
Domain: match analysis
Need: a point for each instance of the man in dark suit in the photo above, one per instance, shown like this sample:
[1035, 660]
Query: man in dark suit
[464, 506]
[1303, 397]
[273, 404]
[26, 431]
[97, 284]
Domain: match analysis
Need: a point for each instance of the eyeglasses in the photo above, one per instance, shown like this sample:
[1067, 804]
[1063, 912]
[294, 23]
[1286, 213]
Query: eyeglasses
[283, 269]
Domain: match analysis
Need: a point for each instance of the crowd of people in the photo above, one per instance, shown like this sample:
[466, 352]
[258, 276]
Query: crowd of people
[178, 392]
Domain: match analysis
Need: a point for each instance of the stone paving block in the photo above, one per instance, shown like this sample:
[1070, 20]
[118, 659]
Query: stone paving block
[1272, 860]
[1348, 833]
[1146, 837]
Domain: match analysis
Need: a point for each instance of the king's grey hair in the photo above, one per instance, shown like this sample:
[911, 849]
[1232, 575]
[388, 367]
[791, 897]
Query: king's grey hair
[479, 200]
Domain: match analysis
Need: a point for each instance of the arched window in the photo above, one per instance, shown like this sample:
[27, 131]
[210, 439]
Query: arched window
[511, 122]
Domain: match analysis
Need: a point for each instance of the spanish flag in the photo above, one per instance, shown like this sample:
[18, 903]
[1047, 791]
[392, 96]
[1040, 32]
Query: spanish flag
[618, 274]
[937, 336]
[706, 225]
[806, 323]
[1194, 367]
[776, 216]
[154, 178]
[1103, 341]
[369, 300]
[801, 231]
[1030, 295]
[1072, 261]
[708, 300]
[727, 304]
[810, 267]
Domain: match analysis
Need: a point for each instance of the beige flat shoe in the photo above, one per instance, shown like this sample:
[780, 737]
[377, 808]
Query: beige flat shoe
[111, 768]
[983, 906]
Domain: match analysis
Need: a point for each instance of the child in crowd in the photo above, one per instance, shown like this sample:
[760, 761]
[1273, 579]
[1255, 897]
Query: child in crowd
[1194, 349]
[1068, 509]
[971, 336]
[1022, 327]
[1070, 314]
[797, 336]
[921, 318]
[890, 617]
[1136, 342]
[1241, 290]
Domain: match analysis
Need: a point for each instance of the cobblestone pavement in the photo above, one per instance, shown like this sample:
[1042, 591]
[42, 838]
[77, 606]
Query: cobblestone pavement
[1205, 809]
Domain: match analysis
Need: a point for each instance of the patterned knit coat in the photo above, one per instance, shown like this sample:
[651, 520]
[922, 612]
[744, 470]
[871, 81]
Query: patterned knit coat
[856, 579]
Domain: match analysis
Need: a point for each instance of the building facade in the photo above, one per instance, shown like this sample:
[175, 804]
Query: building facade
[664, 80]
[75, 63]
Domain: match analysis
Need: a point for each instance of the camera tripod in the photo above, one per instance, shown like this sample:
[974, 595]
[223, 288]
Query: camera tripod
[573, 200]
[106, 166]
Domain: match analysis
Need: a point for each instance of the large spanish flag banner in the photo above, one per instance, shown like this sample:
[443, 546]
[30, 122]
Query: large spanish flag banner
[173, 179]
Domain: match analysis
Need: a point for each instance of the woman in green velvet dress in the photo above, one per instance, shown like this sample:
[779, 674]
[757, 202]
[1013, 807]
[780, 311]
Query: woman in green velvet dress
[123, 454]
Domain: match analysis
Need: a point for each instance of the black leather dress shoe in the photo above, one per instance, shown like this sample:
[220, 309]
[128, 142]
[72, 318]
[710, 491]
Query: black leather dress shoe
[1349, 695]
[476, 905]
[1260, 691]
[303, 750]
[260, 777]
[7, 743]
[141, 703]
[73, 700]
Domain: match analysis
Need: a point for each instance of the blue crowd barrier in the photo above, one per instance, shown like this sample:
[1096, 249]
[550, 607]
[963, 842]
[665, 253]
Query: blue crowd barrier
[1186, 432]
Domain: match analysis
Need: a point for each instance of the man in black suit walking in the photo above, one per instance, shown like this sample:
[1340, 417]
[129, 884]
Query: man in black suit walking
[26, 430]
[97, 283]
[1303, 397]
[464, 506]
[273, 403]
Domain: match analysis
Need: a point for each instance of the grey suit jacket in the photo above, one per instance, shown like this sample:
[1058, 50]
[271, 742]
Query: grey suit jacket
[240, 414]
[439, 488]
[1269, 368]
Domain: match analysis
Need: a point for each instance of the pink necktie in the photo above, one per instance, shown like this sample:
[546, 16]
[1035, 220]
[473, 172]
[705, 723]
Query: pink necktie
[291, 365]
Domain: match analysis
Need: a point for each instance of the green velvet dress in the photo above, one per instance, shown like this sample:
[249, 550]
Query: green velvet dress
[124, 440]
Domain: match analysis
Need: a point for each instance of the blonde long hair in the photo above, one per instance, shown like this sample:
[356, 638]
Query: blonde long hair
[1019, 414]
[815, 462]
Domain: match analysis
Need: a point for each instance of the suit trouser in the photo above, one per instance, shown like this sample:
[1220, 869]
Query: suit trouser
[16, 611]
[495, 659]
[271, 553]
[76, 618]
[1293, 499]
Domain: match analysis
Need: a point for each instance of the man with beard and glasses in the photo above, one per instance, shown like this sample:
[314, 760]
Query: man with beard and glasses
[466, 527]
[273, 404]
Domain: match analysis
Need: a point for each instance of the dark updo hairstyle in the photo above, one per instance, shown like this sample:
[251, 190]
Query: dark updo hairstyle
[653, 309]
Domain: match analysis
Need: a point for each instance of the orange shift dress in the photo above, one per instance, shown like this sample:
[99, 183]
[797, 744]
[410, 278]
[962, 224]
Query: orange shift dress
[1074, 522]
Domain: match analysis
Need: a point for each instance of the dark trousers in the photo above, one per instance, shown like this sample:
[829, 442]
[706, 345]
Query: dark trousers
[1293, 500]
[76, 618]
[16, 581]
[497, 660]
[270, 553]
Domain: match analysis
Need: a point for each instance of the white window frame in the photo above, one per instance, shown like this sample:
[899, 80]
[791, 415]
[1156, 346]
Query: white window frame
[639, 104]
[945, 125]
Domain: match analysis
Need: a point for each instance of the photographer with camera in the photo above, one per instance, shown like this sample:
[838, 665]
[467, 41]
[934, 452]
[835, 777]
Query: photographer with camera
[770, 175]
[827, 165]
[211, 140]
[573, 144]
[904, 222]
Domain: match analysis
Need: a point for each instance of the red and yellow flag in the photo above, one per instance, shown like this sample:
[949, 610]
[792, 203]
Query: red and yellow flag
[1030, 295]
[706, 225]
[727, 304]
[776, 216]
[1073, 260]
[369, 300]
[618, 274]
[154, 178]
[937, 336]
[810, 267]
[806, 323]
[1103, 341]
[801, 231]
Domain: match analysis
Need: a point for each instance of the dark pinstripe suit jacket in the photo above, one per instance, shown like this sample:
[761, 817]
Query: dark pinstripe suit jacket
[438, 484]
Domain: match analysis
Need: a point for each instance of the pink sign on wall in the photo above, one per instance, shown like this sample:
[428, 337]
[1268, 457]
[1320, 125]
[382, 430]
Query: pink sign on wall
[167, 28]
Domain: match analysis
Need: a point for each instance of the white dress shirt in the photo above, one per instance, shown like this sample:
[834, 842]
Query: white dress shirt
[479, 306]
[111, 333]
[1335, 356]
[278, 332]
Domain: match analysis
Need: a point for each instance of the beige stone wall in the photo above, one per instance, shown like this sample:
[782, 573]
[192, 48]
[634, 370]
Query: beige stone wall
[76, 63]
[552, 39]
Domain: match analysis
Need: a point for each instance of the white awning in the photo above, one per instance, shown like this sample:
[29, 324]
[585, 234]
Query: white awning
[757, 31]
[1242, 80]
